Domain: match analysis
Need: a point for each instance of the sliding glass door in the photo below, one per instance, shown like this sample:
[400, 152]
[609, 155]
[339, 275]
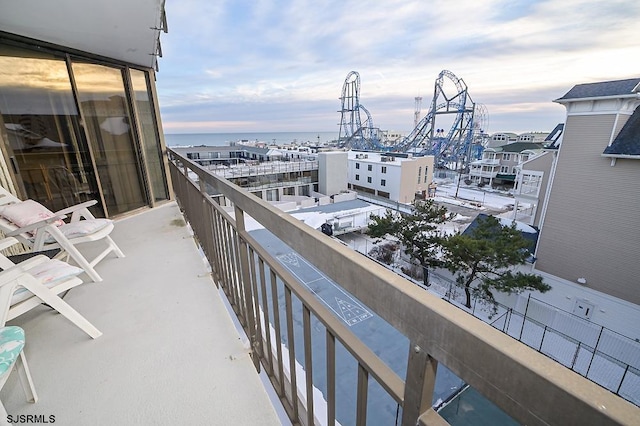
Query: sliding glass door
[102, 98]
[74, 129]
[40, 136]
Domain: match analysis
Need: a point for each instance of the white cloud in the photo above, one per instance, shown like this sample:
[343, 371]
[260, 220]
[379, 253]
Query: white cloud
[299, 52]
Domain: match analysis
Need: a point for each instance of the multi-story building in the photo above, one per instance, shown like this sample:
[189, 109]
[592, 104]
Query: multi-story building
[589, 234]
[502, 138]
[397, 177]
[268, 173]
[498, 165]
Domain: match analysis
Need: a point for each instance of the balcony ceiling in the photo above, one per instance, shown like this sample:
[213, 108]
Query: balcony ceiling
[118, 29]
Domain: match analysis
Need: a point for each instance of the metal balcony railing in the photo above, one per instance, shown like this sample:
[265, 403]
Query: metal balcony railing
[279, 315]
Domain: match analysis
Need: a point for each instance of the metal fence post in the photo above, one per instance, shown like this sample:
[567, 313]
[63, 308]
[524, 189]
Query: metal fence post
[593, 355]
[575, 356]
[544, 332]
[524, 317]
[622, 380]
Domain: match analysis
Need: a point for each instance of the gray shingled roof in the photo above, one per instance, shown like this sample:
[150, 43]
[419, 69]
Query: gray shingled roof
[605, 88]
[518, 147]
[628, 140]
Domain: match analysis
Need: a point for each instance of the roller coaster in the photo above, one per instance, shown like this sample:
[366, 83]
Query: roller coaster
[463, 142]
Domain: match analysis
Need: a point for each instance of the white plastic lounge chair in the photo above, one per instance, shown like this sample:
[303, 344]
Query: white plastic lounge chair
[40, 280]
[40, 229]
[11, 350]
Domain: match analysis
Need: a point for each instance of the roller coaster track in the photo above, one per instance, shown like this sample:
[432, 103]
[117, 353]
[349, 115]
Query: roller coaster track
[425, 138]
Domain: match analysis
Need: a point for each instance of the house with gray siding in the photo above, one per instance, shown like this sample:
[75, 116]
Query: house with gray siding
[589, 225]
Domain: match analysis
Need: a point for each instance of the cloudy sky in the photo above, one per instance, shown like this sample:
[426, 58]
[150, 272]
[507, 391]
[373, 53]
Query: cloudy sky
[278, 65]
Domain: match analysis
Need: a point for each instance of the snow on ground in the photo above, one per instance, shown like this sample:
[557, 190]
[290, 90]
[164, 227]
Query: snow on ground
[487, 199]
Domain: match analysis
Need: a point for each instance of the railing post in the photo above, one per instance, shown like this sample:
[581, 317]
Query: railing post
[246, 284]
[419, 384]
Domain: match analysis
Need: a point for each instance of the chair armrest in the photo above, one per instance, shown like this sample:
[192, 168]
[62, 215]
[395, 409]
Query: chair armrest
[36, 225]
[76, 207]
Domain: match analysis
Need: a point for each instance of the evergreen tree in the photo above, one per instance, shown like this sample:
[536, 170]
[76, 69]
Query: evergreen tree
[485, 255]
[417, 232]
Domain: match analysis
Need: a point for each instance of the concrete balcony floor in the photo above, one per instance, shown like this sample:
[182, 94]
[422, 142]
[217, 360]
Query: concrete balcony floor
[169, 353]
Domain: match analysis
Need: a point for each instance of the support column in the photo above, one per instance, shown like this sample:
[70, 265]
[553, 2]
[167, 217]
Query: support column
[419, 384]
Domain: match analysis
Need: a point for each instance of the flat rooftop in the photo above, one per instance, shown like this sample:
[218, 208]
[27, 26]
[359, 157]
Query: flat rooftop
[169, 353]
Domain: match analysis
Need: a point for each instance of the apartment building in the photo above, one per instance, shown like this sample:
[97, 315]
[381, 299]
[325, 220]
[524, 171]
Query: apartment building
[267, 172]
[498, 165]
[397, 177]
[589, 228]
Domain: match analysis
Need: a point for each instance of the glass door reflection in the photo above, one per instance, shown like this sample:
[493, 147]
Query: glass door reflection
[40, 132]
[106, 113]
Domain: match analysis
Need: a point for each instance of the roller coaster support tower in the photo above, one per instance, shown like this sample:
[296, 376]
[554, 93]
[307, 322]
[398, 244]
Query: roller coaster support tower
[354, 133]
[427, 139]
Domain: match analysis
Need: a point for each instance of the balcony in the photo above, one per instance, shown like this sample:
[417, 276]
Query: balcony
[275, 281]
[483, 173]
[170, 353]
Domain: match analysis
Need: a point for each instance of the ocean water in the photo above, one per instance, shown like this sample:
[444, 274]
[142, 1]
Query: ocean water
[222, 139]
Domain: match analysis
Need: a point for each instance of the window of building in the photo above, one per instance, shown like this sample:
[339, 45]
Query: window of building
[530, 184]
[357, 165]
[384, 169]
[506, 157]
[357, 177]
[504, 169]
[369, 179]
[369, 167]
[383, 182]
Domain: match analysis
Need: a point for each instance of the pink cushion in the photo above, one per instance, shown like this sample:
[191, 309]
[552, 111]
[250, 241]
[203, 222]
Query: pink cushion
[49, 274]
[26, 213]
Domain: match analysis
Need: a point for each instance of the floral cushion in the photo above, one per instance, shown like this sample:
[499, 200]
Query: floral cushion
[11, 344]
[26, 213]
[49, 274]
